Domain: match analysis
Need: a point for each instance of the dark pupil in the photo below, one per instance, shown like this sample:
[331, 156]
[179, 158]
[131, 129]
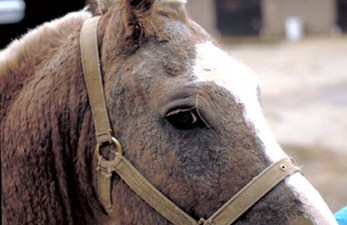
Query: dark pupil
[183, 120]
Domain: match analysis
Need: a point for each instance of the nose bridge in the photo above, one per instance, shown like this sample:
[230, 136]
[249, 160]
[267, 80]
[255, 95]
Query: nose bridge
[302, 221]
[315, 210]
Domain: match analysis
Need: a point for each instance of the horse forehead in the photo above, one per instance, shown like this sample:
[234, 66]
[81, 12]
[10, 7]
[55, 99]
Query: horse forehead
[213, 64]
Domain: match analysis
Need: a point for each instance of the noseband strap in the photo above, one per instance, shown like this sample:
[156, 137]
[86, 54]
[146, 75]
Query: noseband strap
[227, 214]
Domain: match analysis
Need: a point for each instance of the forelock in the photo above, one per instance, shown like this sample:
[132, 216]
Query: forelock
[172, 8]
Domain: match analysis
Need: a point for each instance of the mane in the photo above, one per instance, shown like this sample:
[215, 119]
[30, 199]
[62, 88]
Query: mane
[19, 59]
[33, 39]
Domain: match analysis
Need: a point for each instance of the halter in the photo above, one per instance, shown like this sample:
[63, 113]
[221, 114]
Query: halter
[227, 214]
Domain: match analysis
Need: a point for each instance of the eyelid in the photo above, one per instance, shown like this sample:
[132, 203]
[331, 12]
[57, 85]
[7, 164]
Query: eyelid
[199, 104]
[197, 119]
[183, 110]
[178, 110]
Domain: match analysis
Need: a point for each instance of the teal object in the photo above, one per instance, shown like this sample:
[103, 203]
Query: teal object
[341, 216]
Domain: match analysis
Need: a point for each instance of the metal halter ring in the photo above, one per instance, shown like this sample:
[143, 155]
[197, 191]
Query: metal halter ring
[119, 150]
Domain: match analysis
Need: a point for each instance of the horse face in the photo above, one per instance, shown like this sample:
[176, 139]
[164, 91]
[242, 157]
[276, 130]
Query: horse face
[189, 119]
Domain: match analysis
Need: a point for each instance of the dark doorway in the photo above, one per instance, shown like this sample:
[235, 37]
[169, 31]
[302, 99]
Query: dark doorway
[342, 14]
[238, 17]
[37, 12]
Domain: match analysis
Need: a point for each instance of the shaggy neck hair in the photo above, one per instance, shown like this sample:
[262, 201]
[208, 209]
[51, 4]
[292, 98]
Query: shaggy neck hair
[30, 50]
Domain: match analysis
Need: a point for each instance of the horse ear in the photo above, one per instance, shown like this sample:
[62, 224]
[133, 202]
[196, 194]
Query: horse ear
[137, 9]
[99, 7]
[140, 5]
[136, 13]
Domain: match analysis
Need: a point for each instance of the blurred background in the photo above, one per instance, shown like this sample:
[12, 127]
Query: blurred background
[18, 16]
[298, 48]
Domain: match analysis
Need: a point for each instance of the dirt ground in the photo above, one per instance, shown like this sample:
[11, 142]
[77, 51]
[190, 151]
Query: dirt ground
[304, 98]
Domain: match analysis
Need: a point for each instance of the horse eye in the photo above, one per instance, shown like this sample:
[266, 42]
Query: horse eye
[184, 119]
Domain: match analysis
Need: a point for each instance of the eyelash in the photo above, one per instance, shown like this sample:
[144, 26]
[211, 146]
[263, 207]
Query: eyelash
[185, 118]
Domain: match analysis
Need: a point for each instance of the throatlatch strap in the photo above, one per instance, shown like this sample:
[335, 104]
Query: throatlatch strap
[92, 75]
